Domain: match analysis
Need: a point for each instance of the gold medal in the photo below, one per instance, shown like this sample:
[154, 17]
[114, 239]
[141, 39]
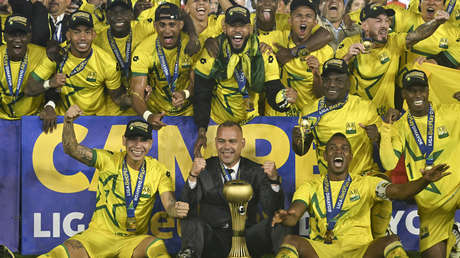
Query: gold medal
[367, 45]
[328, 237]
[131, 224]
[428, 168]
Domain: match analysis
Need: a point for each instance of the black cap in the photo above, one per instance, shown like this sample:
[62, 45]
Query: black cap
[126, 4]
[138, 128]
[167, 10]
[237, 14]
[17, 23]
[81, 18]
[335, 65]
[298, 3]
[414, 78]
[374, 10]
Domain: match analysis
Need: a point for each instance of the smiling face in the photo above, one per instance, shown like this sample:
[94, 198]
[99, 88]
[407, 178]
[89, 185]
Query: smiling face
[417, 99]
[357, 5]
[198, 9]
[80, 38]
[335, 86]
[333, 10]
[238, 35]
[168, 32]
[136, 149]
[119, 19]
[266, 10]
[229, 143]
[429, 8]
[16, 44]
[302, 21]
[338, 155]
[377, 28]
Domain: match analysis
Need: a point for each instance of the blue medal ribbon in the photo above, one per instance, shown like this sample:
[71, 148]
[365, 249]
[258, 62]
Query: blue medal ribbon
[331, 213]
[133, 200]
[164, 64]
[425, 149]
[451, 6]
[126, 63]
[77, 68]
[9, 75]
[240, 79]
[226, 173]
[323, 109]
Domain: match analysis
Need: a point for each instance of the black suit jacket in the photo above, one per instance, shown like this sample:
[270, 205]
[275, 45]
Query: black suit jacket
[213, 208]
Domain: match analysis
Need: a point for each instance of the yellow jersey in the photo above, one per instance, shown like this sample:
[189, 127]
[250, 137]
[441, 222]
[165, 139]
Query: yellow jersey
[110, 213]
[346, 120]
[353, 221]
[374, 74]
[84, 87]
[98, 13]
[149, 14]
[282, 23]
[454, 16]
[146, 62]
[15, 104]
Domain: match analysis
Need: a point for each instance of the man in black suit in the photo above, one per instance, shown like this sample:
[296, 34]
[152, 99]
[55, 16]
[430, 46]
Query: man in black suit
[207, 231]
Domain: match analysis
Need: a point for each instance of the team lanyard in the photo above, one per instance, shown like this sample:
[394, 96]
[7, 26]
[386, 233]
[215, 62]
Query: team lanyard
[9, 76]
[323, 109]
[240, 79]
[125, 64]
[165, 67]
[450, 6]
[77, 68]
[331, 213]
[133, 201]
[427, 148]
[226, 173]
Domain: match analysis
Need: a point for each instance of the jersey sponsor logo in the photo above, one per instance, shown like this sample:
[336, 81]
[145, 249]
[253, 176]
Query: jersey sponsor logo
[270, 59]
[354, 195]
[135, 58]
[384, 58]
[350, 128]
[442, 132]
[147, 190]
[91, 77]
[203, 60]
[444, 43]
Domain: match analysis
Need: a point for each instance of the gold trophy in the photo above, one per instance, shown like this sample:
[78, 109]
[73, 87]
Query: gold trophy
[238, 193]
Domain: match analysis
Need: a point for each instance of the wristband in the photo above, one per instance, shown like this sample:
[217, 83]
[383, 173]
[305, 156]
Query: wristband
[187, 94]
[146, 115]
[51, 104]
[46, 84]
[192, 175]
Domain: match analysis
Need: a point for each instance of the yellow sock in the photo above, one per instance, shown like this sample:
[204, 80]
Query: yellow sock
[157, 249]
[380, 218]
[287, 251]
[58, 252]
[395, 250]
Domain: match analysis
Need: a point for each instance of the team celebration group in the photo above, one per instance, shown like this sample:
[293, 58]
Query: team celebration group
[355, 74]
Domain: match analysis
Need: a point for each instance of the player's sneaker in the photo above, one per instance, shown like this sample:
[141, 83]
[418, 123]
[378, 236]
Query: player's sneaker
[5, 252]
[455, 253]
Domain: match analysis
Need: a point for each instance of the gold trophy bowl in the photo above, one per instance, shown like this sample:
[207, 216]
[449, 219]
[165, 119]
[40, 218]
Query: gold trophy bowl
[238, 193]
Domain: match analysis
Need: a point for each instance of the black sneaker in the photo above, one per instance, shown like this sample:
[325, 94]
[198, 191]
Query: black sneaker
[186, 253]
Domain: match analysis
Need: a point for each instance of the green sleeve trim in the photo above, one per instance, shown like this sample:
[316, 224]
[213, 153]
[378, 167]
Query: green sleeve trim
[201, 74]
[301, 201]
[93, 161]
[36, 77]
[397, 153]
[151, 243]
[138, 74]
[451, 58]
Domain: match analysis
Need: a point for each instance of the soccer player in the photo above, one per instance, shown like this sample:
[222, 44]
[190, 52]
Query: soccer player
[161, 57]
[374, 55]
[128, 183]
[84, 74]
[427, 135]
[339, 204]
[225, 86]
[19, 59]
[302, 73]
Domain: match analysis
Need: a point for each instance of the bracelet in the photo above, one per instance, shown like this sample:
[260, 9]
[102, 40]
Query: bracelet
[46, 84]
[187, 94]
[51, 104]
[146, 115]
[192, 175]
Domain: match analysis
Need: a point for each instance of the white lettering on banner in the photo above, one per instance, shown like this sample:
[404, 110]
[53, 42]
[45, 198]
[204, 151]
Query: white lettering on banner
[395, 221]
[409, 221]
[56, 225]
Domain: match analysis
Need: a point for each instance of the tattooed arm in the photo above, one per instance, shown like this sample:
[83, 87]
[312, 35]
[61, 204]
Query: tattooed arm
[173, 208]
[69, 140]
[427, 29]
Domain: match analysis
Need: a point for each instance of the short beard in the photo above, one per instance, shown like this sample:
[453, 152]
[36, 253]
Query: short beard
[374, 37]
[237, 51]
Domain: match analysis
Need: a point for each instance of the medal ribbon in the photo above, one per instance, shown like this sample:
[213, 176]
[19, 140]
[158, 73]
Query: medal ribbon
[165, 67]
[331, 213]
[77, 68]
[240, 79]
[450, 6]
[130, 199]
[226, 173]
[427, 148]
[124, 64]
[9, 76]
[323, 109]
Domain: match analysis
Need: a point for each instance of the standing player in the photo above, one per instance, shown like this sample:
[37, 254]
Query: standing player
[427, 135]
[128, 182]
[339, 204]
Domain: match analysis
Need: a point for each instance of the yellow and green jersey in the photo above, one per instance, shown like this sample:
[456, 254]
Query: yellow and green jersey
[282, 23]
[146, 62]
[110, 213]
[98, 13]
[149, 14]
[85, 86]
[414, 6]
[445, 150]
[374, 74]
[14, 103]
[353, 221]
[346, 120]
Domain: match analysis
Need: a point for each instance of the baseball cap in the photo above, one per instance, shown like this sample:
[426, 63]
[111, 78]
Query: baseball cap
[81, 18]
[167, 10]
[335, 65]
[414, 77]
[237, 14]
[123, 3]
[138, 128]
[17, 22]
[298, 3]
[374, 10]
